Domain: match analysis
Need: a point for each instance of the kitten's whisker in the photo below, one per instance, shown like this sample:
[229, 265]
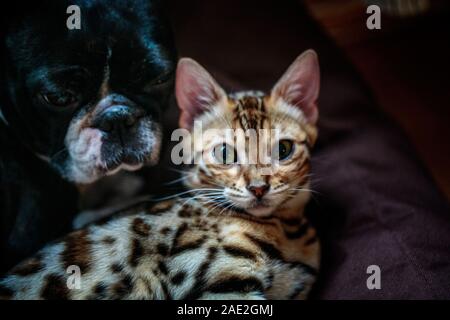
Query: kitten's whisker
[304, 190]
[180, 171]
[213, 201]
[311, 190]
[217, 205]
[176, 180]
[206, 195]
[187, 192]
[237, 195]
[230, 205]
[279, 190]
[56, 154]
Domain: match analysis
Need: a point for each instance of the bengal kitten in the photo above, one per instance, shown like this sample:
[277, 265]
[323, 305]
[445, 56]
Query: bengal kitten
[243, 234]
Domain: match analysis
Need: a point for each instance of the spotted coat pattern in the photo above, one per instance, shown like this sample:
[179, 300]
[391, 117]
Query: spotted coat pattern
[174, 250]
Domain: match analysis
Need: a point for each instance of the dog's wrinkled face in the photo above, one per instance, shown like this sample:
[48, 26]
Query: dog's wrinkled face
[89, 100]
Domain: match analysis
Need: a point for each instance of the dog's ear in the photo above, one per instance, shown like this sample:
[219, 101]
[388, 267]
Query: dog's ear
[299, 85]
[195, 90]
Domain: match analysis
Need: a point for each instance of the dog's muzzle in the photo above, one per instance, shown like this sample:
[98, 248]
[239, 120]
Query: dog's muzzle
[115, 134]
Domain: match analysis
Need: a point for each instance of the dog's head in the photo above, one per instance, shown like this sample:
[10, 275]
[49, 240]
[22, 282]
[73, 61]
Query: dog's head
[89, 100]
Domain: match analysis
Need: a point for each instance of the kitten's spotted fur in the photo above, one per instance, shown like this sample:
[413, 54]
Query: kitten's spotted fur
[242, 236]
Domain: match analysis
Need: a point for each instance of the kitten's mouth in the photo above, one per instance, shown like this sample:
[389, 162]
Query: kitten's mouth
[259, 206]
[260, 209]
[260, 203]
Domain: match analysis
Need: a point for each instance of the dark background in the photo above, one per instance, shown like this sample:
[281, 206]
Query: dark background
[406, 64]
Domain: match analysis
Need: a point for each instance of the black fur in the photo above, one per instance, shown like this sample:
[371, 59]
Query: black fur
[40, 55]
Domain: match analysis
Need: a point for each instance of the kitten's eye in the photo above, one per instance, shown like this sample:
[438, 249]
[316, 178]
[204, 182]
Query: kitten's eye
[59, 99]
[285, 148]
[225, 154]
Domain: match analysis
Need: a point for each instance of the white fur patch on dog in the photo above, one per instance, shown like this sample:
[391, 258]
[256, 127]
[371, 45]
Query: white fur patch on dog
[84, 148]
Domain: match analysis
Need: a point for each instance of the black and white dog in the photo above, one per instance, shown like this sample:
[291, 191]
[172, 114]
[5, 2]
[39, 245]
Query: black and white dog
[76, 105]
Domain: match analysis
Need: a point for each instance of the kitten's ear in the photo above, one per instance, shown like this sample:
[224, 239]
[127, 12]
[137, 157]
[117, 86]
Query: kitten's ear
[299, 86]
[195, 90]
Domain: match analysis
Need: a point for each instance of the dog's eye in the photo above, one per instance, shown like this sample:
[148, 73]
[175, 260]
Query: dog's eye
[160, 80]
[165, 77]
[59, 99]
[225, 154]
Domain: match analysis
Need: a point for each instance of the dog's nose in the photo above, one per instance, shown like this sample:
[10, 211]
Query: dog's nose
[259, 191]
[117, 118]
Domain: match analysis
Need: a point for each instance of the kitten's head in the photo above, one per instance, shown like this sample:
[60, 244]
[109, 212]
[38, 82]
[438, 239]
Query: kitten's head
[231, 171]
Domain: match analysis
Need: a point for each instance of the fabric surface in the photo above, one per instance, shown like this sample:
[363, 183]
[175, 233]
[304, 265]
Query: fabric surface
[375, 202]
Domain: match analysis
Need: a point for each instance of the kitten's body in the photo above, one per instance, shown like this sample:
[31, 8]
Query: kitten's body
[242, 236]
[177, 250]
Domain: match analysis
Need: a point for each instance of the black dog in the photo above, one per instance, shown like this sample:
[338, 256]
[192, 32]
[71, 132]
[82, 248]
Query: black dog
[78, 104]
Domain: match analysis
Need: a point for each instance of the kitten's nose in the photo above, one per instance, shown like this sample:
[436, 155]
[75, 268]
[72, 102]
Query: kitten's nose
[259, 191]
